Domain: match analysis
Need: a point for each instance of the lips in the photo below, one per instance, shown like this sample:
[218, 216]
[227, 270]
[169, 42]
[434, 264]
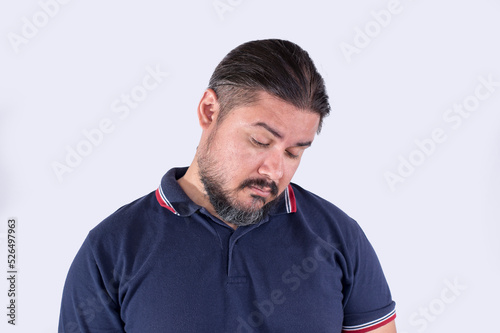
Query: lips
[261, 191]
[260, 187]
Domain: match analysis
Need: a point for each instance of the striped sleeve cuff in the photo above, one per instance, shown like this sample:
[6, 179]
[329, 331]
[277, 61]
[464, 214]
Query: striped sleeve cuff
[370, 326]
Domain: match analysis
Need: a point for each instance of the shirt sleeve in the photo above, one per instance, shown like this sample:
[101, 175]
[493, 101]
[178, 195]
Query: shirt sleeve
[368, 303]
[89, 302]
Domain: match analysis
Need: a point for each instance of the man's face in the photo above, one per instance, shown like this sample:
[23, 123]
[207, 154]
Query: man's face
[249, 159]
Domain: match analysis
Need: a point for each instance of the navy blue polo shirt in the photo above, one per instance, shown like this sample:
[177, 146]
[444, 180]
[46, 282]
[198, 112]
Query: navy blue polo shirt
[164, 264]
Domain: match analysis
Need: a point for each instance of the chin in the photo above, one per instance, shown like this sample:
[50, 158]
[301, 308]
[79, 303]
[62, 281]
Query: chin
[252, 205]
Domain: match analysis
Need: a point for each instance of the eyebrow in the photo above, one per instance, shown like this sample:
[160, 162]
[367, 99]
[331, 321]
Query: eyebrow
[279, 135]
[270, 129]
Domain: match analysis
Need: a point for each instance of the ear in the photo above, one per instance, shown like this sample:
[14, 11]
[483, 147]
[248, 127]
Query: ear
[208, 109]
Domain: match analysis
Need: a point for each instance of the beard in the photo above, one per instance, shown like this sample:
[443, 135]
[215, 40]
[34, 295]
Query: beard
[224, 201]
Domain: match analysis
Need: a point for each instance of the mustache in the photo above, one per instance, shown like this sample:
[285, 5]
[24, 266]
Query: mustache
[260, 183]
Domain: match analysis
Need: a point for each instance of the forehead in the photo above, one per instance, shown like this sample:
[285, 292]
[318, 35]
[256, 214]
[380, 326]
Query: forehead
[273, 111]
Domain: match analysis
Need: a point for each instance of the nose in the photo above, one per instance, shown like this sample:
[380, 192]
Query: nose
[272, 165]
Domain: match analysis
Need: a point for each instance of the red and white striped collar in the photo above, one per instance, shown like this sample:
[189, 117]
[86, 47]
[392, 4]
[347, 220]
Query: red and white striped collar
[163, 201]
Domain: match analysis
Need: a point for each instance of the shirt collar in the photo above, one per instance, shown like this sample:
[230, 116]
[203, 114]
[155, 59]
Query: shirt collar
[171, 196]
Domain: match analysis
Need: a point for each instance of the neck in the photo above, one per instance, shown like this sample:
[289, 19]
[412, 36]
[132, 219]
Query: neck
[194, 189]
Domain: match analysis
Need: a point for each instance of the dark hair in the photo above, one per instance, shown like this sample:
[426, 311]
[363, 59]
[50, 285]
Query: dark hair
[278, 67]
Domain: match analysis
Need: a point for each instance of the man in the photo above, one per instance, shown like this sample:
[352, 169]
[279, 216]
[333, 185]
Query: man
[229, 244]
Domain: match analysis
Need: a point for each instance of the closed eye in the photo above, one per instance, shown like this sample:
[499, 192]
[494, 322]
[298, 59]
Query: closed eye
[260, 144]
[293, 156]
[265, 145]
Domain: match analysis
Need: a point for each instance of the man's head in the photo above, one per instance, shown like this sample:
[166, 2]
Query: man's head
[264, 105]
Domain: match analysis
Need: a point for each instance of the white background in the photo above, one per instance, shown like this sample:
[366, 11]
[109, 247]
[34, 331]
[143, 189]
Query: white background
[438, 227]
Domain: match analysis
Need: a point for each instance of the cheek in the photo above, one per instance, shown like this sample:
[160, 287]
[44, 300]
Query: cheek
[244, 156]
[288, 173]
[238, 161]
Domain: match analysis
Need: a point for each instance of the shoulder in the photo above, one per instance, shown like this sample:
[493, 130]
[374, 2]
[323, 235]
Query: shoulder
[133, 223]
[325, 219]
[310, 201]
[126, 216]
